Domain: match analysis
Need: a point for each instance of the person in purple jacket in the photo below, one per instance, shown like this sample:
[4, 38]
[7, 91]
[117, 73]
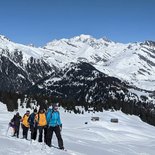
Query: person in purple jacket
[54, 125]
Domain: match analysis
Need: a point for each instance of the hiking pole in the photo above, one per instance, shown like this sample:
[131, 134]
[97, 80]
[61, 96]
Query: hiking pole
[7, 129]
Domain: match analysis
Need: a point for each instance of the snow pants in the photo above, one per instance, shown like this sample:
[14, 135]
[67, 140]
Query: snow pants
[41, 129]
[33, 130]
[25, 131]
[57, 131]
[16, 132]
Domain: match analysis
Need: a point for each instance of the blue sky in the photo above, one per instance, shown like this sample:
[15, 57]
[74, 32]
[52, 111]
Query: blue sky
[40, 21]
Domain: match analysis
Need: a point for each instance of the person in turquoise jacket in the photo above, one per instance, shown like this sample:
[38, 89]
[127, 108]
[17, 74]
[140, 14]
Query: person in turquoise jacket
[54, 125]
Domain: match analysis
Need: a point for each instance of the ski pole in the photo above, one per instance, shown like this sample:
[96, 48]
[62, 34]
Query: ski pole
[7, 129]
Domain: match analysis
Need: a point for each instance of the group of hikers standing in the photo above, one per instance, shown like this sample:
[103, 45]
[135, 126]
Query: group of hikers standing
[44, 122]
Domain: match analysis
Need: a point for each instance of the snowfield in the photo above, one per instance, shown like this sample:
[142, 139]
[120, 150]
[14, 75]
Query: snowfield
[130, 136]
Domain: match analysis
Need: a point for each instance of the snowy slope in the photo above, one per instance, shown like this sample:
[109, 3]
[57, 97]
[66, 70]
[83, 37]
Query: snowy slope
[28, 51]
[130, 136]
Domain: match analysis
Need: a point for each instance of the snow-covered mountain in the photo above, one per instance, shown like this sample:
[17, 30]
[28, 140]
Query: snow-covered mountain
[133, 62]
[82, 82]
[21, 66]
[69, 63]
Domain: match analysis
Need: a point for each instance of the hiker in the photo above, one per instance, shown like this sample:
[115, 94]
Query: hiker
[42, 124]
[16, 124]
[54, 124]
[33, 124]
[25, 124]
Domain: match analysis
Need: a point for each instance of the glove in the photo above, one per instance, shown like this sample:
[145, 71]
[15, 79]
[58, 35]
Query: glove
[60, 127]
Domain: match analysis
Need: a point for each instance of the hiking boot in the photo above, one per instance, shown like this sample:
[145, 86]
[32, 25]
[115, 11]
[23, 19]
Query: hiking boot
[61, 148]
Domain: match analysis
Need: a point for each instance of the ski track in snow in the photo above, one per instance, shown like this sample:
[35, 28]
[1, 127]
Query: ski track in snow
[130, 136]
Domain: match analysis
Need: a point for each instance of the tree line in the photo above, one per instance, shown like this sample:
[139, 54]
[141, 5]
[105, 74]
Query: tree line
[143, 109]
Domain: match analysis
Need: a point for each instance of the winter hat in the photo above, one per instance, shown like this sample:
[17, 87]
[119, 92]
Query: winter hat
[28, 111]
[41, 109]
[17, 113]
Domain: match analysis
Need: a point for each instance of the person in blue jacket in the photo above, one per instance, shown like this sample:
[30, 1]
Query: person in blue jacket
[54, 125]
[33, 124]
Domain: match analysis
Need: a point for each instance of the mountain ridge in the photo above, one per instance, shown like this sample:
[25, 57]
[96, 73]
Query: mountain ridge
[132, 62]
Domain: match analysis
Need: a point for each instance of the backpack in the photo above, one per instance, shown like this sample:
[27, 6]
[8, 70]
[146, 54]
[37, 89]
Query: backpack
[31, 119]
[41, 119]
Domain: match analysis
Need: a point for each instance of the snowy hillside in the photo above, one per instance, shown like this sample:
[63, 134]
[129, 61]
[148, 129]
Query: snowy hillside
[130, 136]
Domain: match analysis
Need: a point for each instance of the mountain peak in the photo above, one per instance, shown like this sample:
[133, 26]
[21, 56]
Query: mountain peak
[2, 37]
[83, 37]
[149, 43]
